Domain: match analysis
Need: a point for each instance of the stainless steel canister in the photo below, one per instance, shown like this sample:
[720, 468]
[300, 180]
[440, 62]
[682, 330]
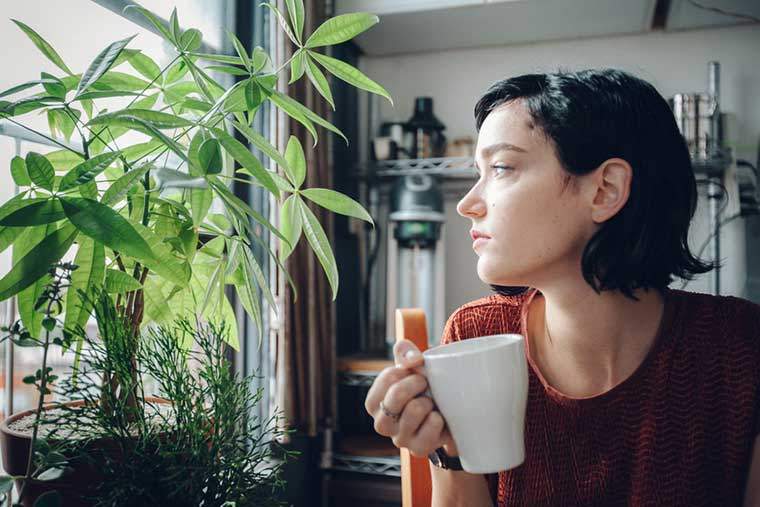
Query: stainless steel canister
[694, 115]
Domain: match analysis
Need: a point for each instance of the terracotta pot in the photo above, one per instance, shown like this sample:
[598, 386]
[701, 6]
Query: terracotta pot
[74, 486]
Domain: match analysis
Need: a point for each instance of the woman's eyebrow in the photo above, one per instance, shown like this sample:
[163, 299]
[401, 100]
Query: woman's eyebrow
[490, 150]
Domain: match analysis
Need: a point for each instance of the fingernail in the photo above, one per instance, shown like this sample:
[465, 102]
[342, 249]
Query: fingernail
[411, 354]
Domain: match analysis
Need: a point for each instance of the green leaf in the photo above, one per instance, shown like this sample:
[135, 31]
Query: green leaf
[283, 23]
[350, 75]
[145, 65]
[240, 49]
[88, 277]
[233, 60]
[210, 157]
[19, 172]
[89, 190]
[200, 203]
[8, 235]
[156, 293]
[87, 171]
[164, 263]
[296, 67]
[49, 323]
[119, 282]
[249, 301]
[228, 69]
[22, 87]
[253, 97]
[319, 81]
[174, 25]
[44, 46]
[105, 225]
[157, 118]
[27, 298]
[319, 243]
[261, 143]
[63, 160]
[36, 263]
[120, 187]
[178, 92]
[240, 153]
[147, 128]
[341, 28]
[113, 80]
[51, 474]
[236, 205]
[281, 182]
[290, 226]
[53, 86]
[41, 171]
[262, 62]
[337, 202]
[254, 272]
[104, 94]
[124, 56]
[191, 39]
[175, 72]
[24, 106]
[296, 168]
[292, 106]
[101, 64]
[154, 20]
[196, 105]
[35, 211]
[296, 12]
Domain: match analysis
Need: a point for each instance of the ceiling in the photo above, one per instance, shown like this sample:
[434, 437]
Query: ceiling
[434, 25]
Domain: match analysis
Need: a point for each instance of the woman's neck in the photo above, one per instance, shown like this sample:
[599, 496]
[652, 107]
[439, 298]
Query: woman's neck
[586, 343]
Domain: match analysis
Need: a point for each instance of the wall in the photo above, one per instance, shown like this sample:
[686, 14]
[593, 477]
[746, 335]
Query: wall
[672, 62]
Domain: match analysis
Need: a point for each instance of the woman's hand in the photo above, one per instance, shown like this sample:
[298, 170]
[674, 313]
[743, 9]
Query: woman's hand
[401, 389]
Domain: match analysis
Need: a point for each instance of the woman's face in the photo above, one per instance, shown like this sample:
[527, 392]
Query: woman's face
[537, 226]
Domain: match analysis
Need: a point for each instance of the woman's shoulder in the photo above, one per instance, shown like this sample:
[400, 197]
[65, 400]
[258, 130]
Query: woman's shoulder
[494, 314]
[726, 315]
[727, 326]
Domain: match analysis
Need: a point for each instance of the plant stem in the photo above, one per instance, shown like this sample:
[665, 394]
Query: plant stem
[40, 403]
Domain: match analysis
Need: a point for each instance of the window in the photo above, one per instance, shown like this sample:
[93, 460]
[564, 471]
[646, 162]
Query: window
[78, 33]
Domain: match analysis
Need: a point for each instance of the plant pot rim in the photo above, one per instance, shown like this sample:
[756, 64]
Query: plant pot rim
[5, 425]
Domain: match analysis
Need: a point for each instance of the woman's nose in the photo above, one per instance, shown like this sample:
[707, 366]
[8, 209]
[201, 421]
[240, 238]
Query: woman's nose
[471, 205]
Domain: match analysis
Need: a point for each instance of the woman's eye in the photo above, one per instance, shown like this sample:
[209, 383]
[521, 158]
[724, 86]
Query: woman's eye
[502, 168]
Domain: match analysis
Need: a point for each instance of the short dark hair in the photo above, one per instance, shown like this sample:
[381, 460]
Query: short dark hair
[597, 114]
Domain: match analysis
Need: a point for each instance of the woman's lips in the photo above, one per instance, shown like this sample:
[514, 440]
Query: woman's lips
[479, 242]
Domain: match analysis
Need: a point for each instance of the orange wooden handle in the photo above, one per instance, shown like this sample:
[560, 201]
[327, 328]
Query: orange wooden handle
[416, 484]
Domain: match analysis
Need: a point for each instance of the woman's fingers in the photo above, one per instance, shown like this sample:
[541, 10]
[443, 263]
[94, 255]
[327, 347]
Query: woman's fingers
[415, 412]
[401, 390]
[396, 401]
[407, 355]
[429, 435]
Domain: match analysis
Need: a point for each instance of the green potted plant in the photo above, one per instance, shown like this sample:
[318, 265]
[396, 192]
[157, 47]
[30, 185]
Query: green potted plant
[141, 213]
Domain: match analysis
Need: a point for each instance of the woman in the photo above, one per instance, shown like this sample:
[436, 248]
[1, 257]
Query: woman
[638, 394]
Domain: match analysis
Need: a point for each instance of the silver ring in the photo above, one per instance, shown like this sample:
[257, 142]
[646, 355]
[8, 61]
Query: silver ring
[389, 413]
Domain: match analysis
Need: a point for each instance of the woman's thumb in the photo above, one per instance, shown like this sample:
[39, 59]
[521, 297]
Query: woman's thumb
[406, 354]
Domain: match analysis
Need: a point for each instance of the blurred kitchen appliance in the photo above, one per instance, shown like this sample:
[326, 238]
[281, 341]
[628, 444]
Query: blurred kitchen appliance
[427, 139]
[415, 274]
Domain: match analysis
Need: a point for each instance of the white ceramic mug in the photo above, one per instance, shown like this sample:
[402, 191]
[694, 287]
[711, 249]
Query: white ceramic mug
[480, 386]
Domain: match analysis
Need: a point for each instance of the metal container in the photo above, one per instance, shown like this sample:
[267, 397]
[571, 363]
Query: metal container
[694, 113]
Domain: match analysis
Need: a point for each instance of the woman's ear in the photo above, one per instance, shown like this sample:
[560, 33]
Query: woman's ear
[611, 186]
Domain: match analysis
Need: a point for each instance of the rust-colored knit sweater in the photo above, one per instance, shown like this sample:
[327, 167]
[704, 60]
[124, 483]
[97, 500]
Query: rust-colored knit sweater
[678, 431]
